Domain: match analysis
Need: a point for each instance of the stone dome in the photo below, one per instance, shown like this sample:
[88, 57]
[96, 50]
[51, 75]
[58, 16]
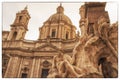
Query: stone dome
[59, 16]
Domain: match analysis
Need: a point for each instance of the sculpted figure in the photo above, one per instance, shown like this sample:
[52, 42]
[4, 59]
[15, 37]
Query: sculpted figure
[57, 67]
[103, 33]
[88, 48]
[103, 29]
[82, 63]
[63, 67]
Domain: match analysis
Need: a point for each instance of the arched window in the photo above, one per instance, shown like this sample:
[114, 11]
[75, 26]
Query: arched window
[24, 75]
[67, 35]
[14, 35]
[44, 73]
[53, 33]
[45, 70]
[20, 18]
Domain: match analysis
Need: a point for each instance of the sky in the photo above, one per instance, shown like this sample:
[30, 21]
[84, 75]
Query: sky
[40, 12]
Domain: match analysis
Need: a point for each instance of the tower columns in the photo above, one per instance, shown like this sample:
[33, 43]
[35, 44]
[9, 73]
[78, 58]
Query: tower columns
[19, 27]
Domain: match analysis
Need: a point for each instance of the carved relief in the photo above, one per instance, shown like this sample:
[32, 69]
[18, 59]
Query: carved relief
[84, 53]
[46, 63]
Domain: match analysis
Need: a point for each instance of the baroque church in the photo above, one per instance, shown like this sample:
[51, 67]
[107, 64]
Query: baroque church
[33, 59]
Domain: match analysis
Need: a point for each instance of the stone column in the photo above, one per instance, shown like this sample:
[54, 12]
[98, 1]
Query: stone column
[71, 33]
[19, 34]
[63, 32]
[36, 68]
[40, 33]
[10, 35]
[60, 32]
[47, 31]
[17, 66]
[13, 67]
[7, 70]
[32, 70]
[19, 71]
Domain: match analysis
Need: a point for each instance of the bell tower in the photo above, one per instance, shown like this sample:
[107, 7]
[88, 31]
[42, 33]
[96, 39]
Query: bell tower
[20, 25]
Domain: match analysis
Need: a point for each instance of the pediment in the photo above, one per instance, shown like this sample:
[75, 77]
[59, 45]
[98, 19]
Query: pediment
[47, 47]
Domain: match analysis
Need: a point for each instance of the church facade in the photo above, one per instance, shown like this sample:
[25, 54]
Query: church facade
[24, 58]
[33, 59]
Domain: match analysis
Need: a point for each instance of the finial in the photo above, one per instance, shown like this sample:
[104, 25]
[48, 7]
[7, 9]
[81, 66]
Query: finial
[26, 7]
[60, 4]
[60, 9]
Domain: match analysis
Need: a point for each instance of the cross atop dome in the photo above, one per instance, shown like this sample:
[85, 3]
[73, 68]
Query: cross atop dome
[60, 4]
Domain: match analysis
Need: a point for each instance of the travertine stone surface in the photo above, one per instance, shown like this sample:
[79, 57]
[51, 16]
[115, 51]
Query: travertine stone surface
[96, 54]
[32, 54]
[60, 52]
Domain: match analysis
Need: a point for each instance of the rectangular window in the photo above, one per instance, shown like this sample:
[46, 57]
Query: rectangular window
[24, 75]
[44, 73]
[20, 18]
[67, 35]
[53, 33]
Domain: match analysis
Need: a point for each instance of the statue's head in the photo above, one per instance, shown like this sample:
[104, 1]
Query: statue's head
[103, 19]
[60, 54]
[103, 25]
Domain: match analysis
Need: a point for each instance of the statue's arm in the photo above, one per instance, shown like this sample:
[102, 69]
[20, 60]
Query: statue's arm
[73, 59]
